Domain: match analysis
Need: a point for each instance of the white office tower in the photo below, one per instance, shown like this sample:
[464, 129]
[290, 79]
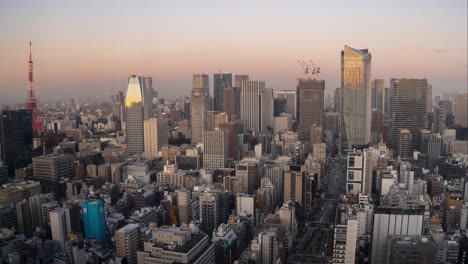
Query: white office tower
[389, 221]
[346, 235]
[256, 105]
[359, 172]
[184, 200]
[60, 225]
[245, 204]
[134, 132]
[215, 150]
[356, 91]
[156, 135]
[198, 119]
[291, 101]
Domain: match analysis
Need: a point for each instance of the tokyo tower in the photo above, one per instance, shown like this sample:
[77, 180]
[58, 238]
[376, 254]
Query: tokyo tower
[31, 101]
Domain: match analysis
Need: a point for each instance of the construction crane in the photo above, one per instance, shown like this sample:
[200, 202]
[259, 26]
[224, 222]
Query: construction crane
[309, 68]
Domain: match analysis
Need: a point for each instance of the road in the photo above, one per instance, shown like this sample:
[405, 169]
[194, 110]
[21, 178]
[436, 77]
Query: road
[317, 230]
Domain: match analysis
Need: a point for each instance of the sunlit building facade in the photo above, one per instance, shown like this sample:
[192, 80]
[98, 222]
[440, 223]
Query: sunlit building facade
[134, 109]
[356, 91]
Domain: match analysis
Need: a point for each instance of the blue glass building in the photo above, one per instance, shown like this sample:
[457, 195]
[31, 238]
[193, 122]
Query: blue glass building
[93, 219]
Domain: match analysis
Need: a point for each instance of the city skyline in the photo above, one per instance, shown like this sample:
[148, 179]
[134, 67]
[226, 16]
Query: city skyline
[84, 50]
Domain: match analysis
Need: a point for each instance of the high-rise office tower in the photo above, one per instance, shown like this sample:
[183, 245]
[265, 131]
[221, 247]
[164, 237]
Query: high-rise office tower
[429, 98]
[24, 218]
[247, 172]
[16, 136]
[378, 95]
[404, 145]
[239, 78]
[215, 150]
[291, 101]
[390, 221]
[439, 120]
[408, 108]
[310, 96]
[148, 93]
[156, 135]
[220, 81]
[245, 204]
[53, 166]
[337, 100]
[460, 109]
[60, 225]
[209, 211]
[202, 81]
[94, 219]
[233, 129]
[356, 91]
[127, 240]
[135, 113]
[256, 105]
[279, 106]
[46, 209]
[36, 202]
[268, 247]
[184, 199]
[210, 120]
[434, 149]
[387, 96]
[198, 118]
[376, 125]
[231, 101]
[294, 178]
[316, 134]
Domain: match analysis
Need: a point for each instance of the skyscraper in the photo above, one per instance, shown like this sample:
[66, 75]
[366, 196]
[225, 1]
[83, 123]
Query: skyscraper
[378, 95]
[291, 101]
[135, 112]
[404, 146]
[156, 135]
[239, 79]
[408, 108]
[16, 133]
[256, 105]
[460, 109]
[310, 96]
[355, 97]
[94, 220]
[148, 93]
[198, 118]
[215, 150]
[209, 211]
[202, 81]
[220, 81]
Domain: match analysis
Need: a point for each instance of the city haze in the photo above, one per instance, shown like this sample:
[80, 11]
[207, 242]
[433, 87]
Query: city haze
[88, 49]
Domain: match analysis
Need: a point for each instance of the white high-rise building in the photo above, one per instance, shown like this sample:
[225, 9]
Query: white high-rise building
[389, 221]
[215, 150]
[356, 91]
[256, 105]
[127, 241]
[60, 225]
[156, 135]
[202, 81]
[134, 107]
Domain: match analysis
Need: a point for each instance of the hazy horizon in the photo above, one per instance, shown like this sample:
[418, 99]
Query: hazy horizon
[88, 49]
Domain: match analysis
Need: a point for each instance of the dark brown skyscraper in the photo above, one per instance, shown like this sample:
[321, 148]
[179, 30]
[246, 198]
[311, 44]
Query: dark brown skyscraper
[310, 95]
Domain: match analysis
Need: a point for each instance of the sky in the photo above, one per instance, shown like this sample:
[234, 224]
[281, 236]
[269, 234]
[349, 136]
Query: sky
[87, 49]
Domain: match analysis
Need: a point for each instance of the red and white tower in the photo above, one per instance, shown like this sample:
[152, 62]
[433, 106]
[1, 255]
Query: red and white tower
[31, 101]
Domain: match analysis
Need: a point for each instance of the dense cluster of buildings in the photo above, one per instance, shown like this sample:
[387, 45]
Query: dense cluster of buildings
[236, 177]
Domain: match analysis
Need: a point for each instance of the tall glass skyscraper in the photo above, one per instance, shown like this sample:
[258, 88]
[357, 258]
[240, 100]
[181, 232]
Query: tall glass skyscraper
[310, 96]
[93, 219]
[134, 108]
[356, 91]
[220, 81]
[256, 105]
